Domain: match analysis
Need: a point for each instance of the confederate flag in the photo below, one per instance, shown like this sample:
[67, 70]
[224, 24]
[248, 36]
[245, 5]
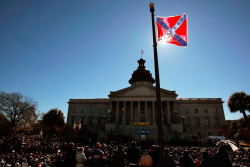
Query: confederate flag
[172, 29]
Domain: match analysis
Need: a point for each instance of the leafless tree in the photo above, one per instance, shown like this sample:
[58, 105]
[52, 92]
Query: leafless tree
[19, 110]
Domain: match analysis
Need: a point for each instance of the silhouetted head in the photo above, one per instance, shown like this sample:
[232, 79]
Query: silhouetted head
[97, 145]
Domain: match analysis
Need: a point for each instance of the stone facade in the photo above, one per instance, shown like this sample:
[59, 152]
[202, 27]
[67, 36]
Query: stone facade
[133, 111]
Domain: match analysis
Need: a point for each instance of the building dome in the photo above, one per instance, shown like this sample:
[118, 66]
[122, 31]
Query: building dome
[141, 74]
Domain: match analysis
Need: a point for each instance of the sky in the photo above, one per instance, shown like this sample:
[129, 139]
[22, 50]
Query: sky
[53, 51]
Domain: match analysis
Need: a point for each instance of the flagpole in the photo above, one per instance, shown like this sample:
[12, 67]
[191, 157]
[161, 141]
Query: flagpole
[157, 80]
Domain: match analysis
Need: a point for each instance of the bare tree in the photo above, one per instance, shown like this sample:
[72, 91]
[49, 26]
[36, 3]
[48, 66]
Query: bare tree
[19, 110]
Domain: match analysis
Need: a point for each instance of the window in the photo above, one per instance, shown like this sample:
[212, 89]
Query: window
[206, 111]
[142, 119]
[186, 111]
[196, 111]
[82, 111]
[142, 110]
[99, 111]
[91, 111]
[215, 110]
[74, 110]
[207, 121]
[217, 121]
[198, 121]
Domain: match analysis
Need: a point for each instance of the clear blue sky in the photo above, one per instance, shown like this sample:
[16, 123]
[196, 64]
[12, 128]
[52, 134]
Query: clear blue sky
[58, 50]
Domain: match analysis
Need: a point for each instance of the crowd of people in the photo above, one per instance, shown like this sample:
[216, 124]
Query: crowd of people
[16, 152]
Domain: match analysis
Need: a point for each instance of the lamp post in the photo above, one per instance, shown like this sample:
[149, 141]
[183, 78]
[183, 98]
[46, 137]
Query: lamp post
[183, 119]
[104, 117]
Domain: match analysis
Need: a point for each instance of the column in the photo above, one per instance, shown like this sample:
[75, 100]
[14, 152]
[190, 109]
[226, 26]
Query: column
[124, 112]
[117, 107]
[139, 111]
[153, 110]
[131, 113]
[146, 111]
[175, 106]
[110, 110]
[168, 113]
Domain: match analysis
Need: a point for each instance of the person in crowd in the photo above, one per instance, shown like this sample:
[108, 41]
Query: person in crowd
[133, 154]
[146, 160]
[197, 162]
[207, 160]
[87, 153]
[221, 158]
[104, 148]
[70, 159]
[58, 162]
[98, 158]
[80, 157]
[168, 159]
[186, 160]
[153, 154]
[118, 157]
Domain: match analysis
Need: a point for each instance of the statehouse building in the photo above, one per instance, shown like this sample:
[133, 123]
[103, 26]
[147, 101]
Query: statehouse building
[132, 111]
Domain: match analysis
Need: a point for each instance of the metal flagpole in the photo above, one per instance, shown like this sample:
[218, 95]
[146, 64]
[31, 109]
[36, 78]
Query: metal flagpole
[158, 95]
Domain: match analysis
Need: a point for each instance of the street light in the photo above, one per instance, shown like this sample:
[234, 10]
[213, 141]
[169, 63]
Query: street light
[104, 117]
[183, 119]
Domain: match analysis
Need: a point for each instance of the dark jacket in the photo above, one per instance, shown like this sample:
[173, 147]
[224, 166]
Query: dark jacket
[133, 154]
[70, 159]
[207, 161]
[87, 154]
[222, 160]
[186, 161]
[153, 154]
[168, 161]
[118, 159]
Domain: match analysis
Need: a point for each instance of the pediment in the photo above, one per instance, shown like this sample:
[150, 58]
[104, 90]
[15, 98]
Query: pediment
[142, 90]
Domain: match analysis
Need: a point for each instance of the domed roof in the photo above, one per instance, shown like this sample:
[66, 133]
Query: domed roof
[141, 74]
